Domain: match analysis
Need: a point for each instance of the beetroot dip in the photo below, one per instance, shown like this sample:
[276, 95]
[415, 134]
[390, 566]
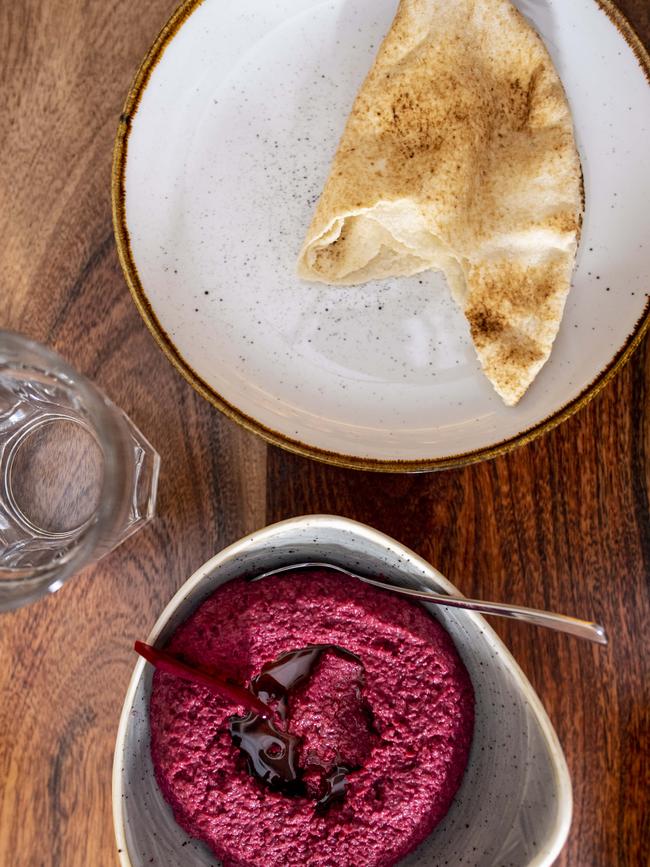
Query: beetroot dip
[404, 719]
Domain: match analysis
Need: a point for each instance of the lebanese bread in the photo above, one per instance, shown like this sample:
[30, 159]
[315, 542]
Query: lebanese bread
[459, 156]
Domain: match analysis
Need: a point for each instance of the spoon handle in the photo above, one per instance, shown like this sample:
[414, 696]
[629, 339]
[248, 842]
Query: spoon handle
[560, 622]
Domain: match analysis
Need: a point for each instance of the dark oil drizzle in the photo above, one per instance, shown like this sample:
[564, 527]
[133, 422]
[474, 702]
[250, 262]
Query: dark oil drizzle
[334, 787]
[271, 753]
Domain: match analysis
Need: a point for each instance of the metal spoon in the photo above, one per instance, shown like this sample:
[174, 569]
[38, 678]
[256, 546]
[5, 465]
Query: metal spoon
[559, 622]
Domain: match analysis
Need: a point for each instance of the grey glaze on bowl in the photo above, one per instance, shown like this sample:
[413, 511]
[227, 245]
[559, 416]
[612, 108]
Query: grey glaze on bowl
[514, 805]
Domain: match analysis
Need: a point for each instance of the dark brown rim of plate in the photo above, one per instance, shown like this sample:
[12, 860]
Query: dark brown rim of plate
[127, 261]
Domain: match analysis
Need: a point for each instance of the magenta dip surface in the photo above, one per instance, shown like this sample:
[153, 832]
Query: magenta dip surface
[413, 746]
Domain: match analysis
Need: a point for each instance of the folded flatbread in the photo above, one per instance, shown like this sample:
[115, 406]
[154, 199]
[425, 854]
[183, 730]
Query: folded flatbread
[459, 156]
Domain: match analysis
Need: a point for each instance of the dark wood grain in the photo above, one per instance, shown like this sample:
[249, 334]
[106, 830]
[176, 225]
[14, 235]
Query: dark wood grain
[563, 523]
[66, 661]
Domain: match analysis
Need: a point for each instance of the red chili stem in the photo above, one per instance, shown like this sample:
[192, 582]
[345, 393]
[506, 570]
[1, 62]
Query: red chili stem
[168, 663]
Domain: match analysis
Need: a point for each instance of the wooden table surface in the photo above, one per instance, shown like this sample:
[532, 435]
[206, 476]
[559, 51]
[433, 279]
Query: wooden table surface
[563, 523]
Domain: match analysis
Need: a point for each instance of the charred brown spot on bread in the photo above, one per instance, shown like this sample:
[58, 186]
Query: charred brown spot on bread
[518, 351]
[511, 349]
[517, 290]
[412, 126]
[485, 325]
[564, 221]
[328, 256]
[528, 106]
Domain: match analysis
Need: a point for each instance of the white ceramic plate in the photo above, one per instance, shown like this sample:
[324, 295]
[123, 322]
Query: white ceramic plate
[513, 808]
[222, 151]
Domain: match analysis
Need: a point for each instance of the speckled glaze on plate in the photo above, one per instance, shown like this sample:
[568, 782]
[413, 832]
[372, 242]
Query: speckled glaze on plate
[222, 151]
[514, 806]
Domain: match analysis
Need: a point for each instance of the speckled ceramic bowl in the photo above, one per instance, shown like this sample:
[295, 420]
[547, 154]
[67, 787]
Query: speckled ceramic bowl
[223, 147]
[514, 806]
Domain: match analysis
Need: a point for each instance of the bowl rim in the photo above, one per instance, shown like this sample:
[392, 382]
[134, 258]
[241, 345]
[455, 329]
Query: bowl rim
[556, 838]
[248, 422]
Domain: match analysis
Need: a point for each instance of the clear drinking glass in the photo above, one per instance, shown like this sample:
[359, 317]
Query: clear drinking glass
[76, 476]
